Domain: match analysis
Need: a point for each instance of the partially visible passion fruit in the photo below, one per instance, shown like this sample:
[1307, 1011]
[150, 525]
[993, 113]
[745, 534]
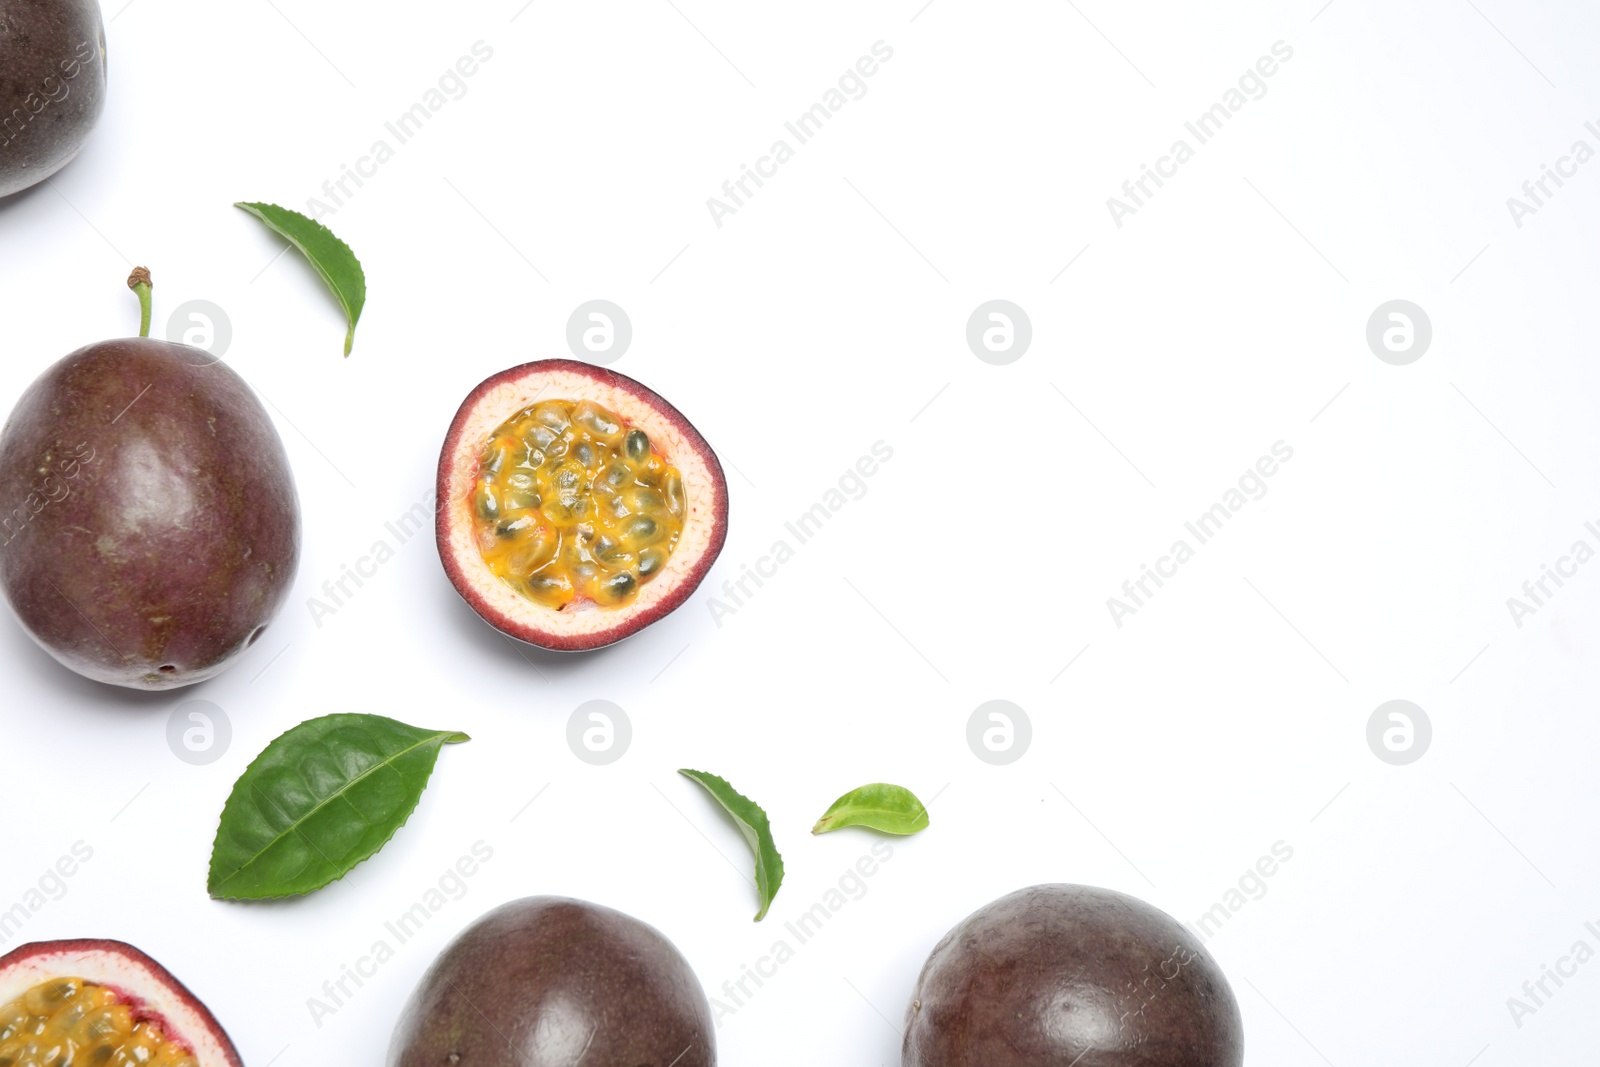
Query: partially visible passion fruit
[102, 1004]
[556, 982]
[576, 506]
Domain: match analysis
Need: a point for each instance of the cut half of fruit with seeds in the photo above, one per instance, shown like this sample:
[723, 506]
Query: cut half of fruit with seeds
[102, 1004]
[575, 505]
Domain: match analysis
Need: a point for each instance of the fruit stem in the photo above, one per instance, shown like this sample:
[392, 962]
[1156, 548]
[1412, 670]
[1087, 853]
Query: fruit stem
[139, 282]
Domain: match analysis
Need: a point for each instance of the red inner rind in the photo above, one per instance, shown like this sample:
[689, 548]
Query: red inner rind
[142, 1013]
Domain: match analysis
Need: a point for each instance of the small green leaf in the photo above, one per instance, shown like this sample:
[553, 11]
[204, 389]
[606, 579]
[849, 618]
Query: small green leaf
[892, 809]
[320, 799]
[330, 257]
[757, 833]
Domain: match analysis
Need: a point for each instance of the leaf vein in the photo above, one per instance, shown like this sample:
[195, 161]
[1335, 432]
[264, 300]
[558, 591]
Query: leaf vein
[339, 794]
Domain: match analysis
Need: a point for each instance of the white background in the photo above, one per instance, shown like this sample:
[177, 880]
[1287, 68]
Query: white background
[829, 313]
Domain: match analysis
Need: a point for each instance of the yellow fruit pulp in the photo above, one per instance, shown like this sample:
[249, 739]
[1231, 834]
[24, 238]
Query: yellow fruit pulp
[572, 504]
[67, 1022]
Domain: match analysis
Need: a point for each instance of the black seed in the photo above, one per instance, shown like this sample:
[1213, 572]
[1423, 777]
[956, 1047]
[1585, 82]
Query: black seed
[642, 528]
[515, 526]
[638, 445]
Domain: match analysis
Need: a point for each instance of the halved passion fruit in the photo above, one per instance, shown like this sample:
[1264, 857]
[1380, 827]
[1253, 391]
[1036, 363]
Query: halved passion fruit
[102, 1004]
[575, 505]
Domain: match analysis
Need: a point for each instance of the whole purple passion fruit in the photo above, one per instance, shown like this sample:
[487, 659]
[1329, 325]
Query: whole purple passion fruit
[149, 527]
[1071, 974]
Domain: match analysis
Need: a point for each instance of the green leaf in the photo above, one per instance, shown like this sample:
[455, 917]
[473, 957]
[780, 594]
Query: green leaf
[330, 257]
[320, 799]
[757, 833]
[892, 809]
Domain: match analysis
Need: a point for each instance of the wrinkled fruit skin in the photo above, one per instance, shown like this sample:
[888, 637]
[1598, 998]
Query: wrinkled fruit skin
[1068, 974]
[52, 86]
[149, 527]
[550, 982]
[134, 975]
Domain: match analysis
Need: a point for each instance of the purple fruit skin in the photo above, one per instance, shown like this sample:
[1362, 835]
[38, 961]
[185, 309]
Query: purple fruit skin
[550, 982]
[149, 527]
[52, 86]
[1059, 975]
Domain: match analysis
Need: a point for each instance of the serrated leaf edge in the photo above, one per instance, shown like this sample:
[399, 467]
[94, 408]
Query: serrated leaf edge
[351, 315]
[700, 779]
[449, 737]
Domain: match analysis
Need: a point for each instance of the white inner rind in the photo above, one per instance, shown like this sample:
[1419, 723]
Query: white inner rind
[132, 981]
[489, 412]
